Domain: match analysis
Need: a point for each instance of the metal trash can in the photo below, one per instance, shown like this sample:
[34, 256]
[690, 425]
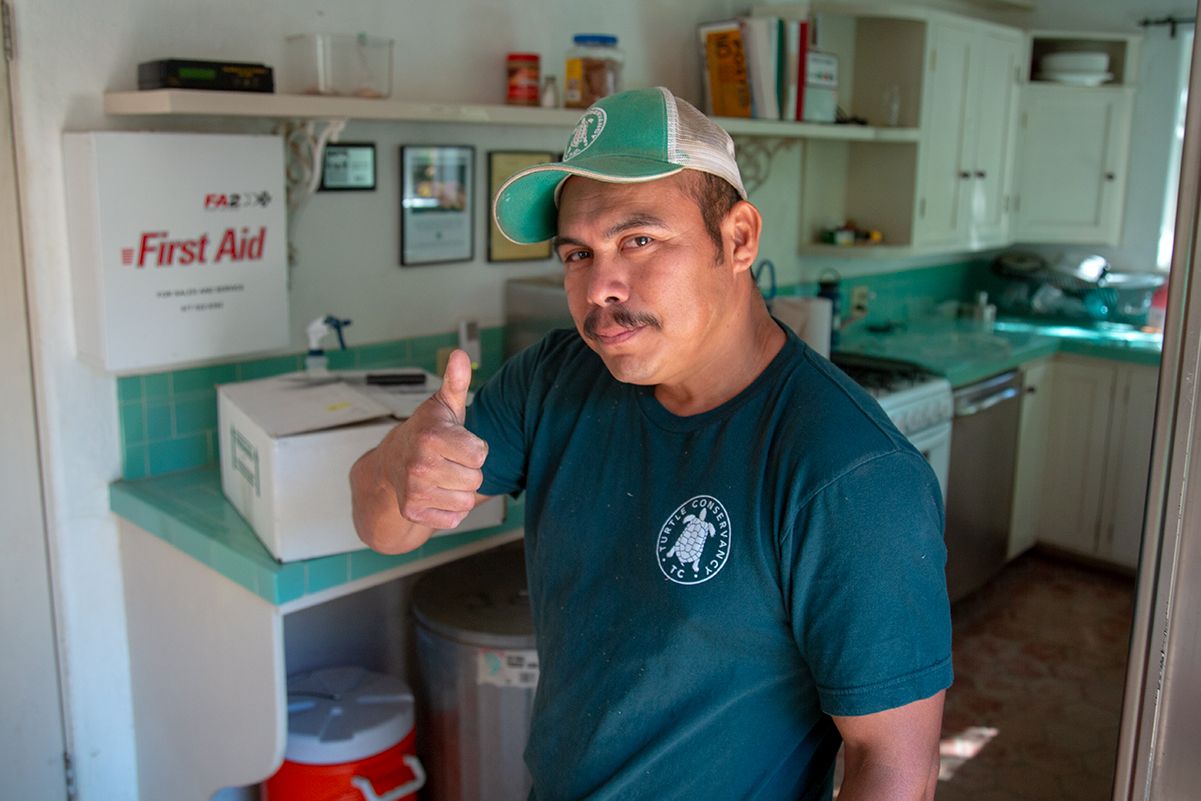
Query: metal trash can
[478, 669]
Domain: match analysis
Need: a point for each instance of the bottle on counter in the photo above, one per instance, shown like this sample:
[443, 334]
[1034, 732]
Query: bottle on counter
[984, 313]
[593, 69]
[828, 287]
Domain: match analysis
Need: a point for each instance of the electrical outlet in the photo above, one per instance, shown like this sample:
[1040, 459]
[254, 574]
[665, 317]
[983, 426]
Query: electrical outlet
[860, 296]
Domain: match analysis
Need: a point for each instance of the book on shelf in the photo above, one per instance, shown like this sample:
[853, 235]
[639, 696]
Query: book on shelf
[754, 66]
[761, 39]
[723, 56]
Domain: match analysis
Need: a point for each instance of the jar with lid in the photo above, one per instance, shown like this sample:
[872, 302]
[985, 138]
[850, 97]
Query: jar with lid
[523, 79]
[593, 69]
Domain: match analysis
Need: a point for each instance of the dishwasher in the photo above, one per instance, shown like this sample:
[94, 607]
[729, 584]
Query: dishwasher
[984, 437]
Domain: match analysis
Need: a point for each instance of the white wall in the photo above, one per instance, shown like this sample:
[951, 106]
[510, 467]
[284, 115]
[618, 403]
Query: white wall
[69, 53]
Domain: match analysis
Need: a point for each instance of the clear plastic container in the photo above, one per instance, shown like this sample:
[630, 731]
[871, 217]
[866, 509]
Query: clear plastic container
[593, 69]
[352, 65]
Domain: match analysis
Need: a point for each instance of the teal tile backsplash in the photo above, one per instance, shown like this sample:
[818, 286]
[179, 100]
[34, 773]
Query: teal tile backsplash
[169, 419]
[901, 296]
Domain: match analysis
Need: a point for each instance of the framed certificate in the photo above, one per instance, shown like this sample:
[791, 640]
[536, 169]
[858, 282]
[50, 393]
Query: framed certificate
[348, 167]
[436, 204]
[501, 165]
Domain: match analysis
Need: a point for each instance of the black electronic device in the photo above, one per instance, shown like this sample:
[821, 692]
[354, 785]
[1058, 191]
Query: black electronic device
[222, 76]
[416, 378]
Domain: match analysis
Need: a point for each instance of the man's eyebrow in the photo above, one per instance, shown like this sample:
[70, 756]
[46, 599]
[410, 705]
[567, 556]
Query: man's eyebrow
[638, 220]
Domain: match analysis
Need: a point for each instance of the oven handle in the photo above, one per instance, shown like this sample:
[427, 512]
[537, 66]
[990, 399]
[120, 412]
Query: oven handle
[966, 409]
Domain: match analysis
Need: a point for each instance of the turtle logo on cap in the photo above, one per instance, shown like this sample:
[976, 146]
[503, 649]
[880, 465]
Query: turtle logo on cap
[587, 130]
[694, 543]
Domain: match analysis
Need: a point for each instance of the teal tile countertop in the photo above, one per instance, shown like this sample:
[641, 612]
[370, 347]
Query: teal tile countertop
[189, 511]
[963, 353]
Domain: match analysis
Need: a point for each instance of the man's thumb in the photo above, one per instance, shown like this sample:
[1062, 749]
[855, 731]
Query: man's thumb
[455, 382]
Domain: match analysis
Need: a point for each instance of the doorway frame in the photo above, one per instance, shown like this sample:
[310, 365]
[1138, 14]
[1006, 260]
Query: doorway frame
[41, 754]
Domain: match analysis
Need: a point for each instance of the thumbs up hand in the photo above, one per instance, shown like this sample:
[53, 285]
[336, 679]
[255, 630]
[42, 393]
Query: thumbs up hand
[455, 382]
[428, 469]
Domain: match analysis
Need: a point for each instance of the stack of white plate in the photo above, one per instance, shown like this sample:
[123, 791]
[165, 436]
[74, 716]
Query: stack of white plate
[1075, 68]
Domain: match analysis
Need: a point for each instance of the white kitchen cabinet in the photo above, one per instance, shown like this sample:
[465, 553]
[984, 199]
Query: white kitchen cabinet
[957, 79]
[1034, 429]
[967, 145]
[1071, 165]
[1128, 465]
[1096, 460]
[1074, 467]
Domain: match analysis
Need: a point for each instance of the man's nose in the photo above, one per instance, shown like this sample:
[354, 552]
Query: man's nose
[608, 283]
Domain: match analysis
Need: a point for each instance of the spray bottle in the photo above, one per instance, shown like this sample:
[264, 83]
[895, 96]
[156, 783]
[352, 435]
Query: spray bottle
[315, 363]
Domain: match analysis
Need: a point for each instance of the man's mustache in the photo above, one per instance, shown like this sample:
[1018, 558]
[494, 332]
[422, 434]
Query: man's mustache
[619, 315]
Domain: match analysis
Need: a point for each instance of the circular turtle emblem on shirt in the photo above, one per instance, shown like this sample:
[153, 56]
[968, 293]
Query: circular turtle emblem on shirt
[587, 130]
[694, 543]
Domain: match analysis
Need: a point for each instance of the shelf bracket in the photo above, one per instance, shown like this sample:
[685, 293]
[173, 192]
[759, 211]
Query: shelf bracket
[304, 151]
[755, 155]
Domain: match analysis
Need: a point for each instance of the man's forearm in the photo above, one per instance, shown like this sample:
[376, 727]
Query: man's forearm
[866, 780]
[377, 517]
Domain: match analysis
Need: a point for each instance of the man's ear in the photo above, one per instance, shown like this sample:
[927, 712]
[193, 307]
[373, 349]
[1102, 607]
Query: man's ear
[740, 234]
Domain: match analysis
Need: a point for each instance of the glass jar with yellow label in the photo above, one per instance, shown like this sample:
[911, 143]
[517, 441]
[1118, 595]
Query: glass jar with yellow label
[593, 69]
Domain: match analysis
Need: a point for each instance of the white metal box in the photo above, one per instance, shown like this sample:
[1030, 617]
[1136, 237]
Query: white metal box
[287, 446]
[178, 246]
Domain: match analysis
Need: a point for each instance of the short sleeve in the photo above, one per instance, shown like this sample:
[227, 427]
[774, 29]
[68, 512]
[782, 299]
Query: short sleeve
[865, 582]
[498, 415]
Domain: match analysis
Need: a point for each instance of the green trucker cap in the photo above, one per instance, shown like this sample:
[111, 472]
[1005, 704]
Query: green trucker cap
[629, 137]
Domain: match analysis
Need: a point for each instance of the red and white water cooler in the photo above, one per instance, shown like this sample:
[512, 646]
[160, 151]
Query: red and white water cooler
[350, 738]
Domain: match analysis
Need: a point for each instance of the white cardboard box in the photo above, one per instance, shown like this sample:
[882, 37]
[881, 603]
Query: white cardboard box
[178, 246]
[287, 446]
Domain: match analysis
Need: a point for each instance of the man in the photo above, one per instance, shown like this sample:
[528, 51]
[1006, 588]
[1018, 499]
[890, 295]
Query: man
[735, 560]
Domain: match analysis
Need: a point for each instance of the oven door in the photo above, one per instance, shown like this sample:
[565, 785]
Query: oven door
[935, 444]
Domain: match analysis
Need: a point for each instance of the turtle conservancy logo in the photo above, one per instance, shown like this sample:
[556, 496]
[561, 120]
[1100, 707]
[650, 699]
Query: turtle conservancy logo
[587, 130]
[694, 543]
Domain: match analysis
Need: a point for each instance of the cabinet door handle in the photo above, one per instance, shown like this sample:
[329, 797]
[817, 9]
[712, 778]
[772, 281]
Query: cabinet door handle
[964, 174]
[1109, 176]
[980, 173]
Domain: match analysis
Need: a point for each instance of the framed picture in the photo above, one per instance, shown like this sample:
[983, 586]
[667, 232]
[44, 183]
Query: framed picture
[436, 203]
[348, 167]
[501, 165]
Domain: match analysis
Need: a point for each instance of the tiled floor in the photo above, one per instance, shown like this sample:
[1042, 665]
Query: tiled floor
[1040, 661]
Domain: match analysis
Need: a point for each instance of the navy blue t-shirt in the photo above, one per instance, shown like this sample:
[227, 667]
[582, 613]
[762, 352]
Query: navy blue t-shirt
[708, 590]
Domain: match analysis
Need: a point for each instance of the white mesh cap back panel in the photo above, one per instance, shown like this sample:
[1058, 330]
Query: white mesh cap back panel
[699, 143]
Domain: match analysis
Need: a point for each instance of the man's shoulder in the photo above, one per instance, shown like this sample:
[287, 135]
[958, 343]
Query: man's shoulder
[559, 359]
[828, 419]
[561, 349]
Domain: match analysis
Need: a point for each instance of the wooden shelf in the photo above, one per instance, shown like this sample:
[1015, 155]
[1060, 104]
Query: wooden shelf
[815, 130]
[193, 102]
[183, 102]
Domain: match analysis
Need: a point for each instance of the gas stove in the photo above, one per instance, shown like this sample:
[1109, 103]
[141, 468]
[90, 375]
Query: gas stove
[913, 398]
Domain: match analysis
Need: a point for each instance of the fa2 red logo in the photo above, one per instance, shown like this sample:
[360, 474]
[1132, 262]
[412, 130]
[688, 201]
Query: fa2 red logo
[233, 201]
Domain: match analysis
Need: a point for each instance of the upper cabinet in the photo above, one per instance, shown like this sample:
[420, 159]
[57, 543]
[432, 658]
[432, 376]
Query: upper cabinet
[1072, 166]
[957, 80]
[967, 143]
[1074, 137]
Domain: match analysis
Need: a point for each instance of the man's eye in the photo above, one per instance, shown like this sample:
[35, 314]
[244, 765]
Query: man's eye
[640, 241]
[576, 255]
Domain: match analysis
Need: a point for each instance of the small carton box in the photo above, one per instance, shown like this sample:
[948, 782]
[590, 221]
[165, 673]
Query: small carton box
[287, 446]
